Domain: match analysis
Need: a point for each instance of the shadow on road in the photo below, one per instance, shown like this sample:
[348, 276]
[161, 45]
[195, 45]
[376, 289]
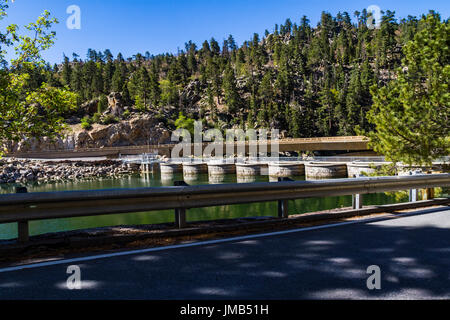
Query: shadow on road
[413, 254]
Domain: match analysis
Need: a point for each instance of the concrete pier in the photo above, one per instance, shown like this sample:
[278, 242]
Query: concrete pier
[167, 179]
[168, 168]
[218, 169]
[286, 169]
[362, 168]
[273, 179]
[248, 169]
[194, 169]
[325, 170]
[149, 167]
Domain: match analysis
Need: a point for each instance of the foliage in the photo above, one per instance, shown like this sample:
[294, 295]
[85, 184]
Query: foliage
[29, 107]
[102, 104]
[308, 80]
[126, 114]
[96, 118]
[110, 119]
[86, 123]
[411, 114]
[185, 123]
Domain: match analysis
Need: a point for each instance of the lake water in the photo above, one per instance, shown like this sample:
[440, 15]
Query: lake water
[9, 231]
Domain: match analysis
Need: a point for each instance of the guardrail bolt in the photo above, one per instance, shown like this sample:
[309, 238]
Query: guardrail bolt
[22, 226]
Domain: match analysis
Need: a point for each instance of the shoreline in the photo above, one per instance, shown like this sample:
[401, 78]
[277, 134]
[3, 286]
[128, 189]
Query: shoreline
[26, 171]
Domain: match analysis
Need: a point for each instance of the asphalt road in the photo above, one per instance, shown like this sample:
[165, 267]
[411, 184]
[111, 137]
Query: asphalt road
[413, 254]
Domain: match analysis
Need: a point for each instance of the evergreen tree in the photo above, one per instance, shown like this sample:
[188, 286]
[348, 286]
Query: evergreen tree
[412, 113]
[66, 71]
[119, 76]
[232, 97]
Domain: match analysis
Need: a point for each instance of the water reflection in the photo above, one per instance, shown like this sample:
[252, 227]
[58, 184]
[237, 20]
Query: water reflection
[216, 179]
[246, 179]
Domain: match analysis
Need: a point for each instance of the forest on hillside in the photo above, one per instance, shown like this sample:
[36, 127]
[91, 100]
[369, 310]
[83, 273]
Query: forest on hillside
[309, 81]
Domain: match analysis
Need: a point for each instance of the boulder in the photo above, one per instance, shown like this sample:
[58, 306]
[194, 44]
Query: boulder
[115, 104]
[89, 108]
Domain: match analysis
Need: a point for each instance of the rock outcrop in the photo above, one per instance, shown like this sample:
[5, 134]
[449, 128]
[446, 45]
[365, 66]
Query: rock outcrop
[138, 130]
[89, 108]
[115, 104]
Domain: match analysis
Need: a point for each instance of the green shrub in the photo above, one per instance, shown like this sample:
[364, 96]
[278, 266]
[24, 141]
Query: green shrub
[102, 104]
[185, 123]
[109, 119]
[86, 123]
[96, 117]
[126, 114]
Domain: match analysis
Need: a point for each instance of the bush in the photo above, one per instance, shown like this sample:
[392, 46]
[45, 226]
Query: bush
[126, 114]
[102, 104]
[96, 117]
[109, 119]
[86, 123]
[185, 123]
[161, 118]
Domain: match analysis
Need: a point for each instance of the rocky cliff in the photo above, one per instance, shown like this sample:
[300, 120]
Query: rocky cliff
[139, 130]
[136, 129]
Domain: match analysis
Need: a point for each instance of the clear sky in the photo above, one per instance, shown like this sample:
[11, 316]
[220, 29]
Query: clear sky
[164, 26]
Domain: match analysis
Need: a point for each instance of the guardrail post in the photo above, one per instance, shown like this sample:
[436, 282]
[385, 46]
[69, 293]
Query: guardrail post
[180, 213]
[412, 192]
[428, 194]
[22, 226]
[357, 199]
[283, 205]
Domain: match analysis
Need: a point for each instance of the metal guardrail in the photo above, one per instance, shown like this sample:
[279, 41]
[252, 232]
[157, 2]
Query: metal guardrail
[24, 207]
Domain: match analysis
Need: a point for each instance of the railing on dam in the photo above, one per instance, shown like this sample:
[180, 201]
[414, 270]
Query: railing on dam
[297, 144]
[24, 207]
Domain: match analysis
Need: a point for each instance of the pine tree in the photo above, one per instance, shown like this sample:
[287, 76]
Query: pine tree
[412, 113]
[108, 76]
[154, 87]
[66, 71]
[119, 76]
[232, 97]
[143, 91]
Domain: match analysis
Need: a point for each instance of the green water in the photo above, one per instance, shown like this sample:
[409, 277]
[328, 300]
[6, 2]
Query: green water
[9, 231]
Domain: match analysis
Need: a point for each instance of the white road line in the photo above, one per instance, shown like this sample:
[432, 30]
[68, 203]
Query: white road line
[197, 244]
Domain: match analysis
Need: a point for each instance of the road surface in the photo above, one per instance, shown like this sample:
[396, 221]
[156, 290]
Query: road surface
[412, 252]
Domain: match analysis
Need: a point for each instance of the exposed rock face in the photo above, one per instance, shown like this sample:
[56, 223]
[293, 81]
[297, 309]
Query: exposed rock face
[42, 144]
[191, 95]
[115, 105]
[89, 108]
[138, 130]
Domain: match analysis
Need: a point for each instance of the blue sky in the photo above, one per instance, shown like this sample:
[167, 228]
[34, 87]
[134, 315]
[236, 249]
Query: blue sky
[164, 26]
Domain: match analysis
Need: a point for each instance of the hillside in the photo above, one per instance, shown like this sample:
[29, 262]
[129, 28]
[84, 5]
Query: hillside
[308, 81]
